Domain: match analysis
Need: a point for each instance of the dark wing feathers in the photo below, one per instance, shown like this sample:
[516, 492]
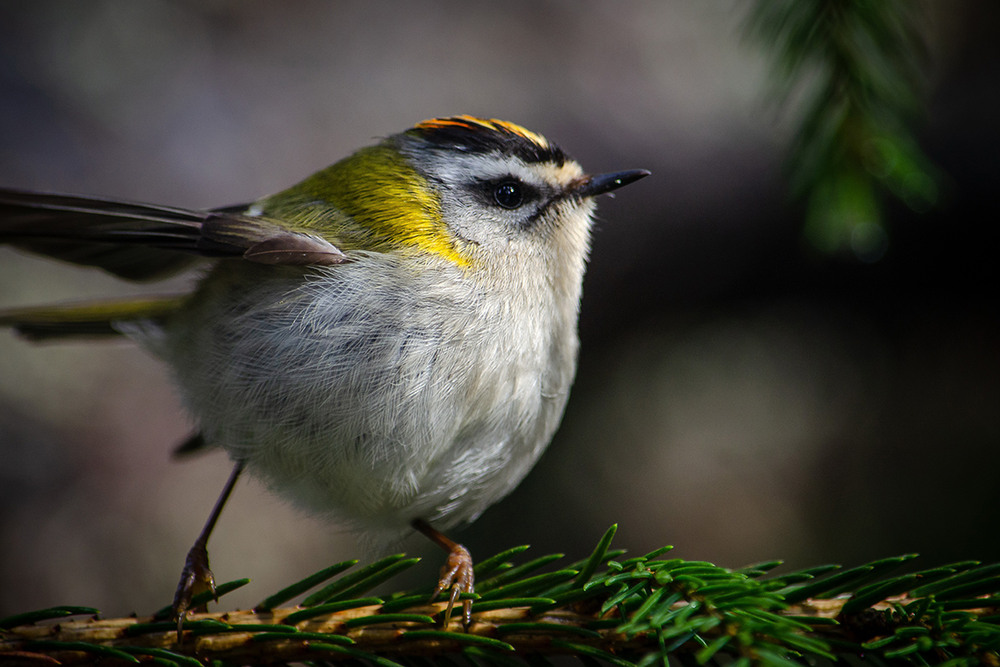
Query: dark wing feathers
[142, 241]
[265, 242]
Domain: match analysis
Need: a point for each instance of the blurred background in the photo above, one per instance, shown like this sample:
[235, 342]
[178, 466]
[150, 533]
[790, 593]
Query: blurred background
[745, 392]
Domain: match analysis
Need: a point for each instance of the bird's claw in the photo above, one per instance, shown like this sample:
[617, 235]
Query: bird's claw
[457, 574]
[196, 577]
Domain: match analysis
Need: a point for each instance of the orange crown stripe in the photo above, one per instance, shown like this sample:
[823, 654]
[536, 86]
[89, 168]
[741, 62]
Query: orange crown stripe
[493, 124]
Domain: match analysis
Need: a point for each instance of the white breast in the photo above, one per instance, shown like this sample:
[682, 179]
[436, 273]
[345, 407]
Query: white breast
[373, 392]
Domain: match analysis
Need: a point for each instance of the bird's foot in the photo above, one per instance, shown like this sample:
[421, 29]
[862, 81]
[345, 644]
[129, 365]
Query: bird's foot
[196, 577]
[457, 575]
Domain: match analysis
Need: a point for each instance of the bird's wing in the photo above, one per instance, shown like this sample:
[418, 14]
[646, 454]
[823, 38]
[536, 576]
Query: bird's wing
[147, 242]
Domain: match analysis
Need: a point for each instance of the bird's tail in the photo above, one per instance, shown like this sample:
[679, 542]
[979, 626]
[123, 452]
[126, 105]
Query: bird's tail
[88, 320]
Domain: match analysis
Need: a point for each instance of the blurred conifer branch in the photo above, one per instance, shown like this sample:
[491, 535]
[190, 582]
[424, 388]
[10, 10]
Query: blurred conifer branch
[857, 66]
[605, 609]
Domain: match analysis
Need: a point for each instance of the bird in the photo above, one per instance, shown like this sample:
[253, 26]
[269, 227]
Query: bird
[390, 342]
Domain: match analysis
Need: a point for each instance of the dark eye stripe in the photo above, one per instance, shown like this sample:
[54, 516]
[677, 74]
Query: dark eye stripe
[508, 192]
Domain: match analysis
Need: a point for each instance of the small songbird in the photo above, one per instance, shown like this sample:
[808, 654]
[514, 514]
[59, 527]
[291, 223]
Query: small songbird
[390, 342]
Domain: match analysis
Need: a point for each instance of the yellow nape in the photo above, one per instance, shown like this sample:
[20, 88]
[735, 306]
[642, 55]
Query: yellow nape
[372, 200]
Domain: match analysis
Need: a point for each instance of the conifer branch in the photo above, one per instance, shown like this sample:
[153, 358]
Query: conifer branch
[626, 612]
[857, 67]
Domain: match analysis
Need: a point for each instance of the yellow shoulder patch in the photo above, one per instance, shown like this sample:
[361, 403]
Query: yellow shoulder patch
[372, 200]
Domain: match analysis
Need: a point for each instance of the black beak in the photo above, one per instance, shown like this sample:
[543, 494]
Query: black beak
[591, 186]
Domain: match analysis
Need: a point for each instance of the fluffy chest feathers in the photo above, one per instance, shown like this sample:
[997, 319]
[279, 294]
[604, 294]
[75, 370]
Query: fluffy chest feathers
[379, 391]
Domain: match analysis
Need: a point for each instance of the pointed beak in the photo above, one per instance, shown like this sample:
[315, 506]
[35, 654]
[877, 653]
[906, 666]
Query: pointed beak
[591, 186]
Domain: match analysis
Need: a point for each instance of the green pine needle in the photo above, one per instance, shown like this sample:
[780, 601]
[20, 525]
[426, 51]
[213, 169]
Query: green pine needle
[337, 589]
[300, 587]
[604, 610]
[856, 68]
[45, 615]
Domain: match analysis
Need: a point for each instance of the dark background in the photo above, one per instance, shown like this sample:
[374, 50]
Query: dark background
[739, 394]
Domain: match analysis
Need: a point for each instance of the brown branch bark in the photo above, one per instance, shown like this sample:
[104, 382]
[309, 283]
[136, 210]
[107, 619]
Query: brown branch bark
[31, 645]
[20, 645]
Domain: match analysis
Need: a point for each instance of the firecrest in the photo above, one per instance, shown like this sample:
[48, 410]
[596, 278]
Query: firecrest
[390, 342]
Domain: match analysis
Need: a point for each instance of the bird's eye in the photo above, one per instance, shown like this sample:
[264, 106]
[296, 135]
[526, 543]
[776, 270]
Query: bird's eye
[508, 194]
